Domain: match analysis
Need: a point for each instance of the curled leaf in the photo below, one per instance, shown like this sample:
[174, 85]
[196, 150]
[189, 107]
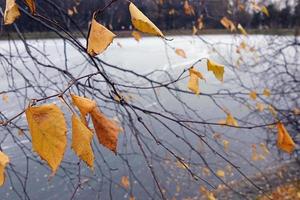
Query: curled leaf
[125, 182]
[142, 23]
[216, 68]
[11, 12]
[99, 38]
[81, 141]
[4, 160]
[253, 95]
[107, 130]
[48, 130]
[31, 6]
[84, 105]
[284, 140]
[193, 83]
[242, 30]
[265, 11]
[228, 24]
[231, 121]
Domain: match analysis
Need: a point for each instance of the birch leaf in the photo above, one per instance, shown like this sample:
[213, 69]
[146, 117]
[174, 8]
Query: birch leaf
[31, 6]
[193, 83]
[142, 23]
[231, 121]
[216, 68]
[125, 182]
[4, 160]
[11, 12]
[220, 173]
[265, 11]
[107, 130]
[260, 107]
[47, 127]
[180, 52]
[81, 141]
[267, 92]
[253, 95]
[242, 30]
[84, 105]
[228, 24]
[284, 140]
[99, 38]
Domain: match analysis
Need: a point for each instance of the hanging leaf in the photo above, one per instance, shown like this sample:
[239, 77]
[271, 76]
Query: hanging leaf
[267, 92]
[137, 36]
[31, 6]
[81, 141]
[226, 145]
[242, 30]
[5, 98]
[264, 149]
[99, 38]
[272, 110]
[231, 121]
[284, 140]
[84, 105]
[11, 12]
[260, 107]
[220, 173]
[265, 11]
[125, 182]
[4, 160]
[216, 68]
[254, 156]
[142, 23]
[180, 52]
[193, 83]
[228, 24]
[48, 130]
[107, 130]
[253, 95]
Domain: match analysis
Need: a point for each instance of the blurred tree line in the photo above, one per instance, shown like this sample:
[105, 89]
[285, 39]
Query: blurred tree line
[167, 14]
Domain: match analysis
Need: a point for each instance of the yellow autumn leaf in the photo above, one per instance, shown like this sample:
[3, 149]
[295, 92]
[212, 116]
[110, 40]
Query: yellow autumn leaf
[265, 11]
[11, 12]
[31, 6]
[182, 165]
[267, 92]
[272, 110]
[142, 23]
[180, 52]
[254, 156]
[4, 160]
[84, 105]
[107, 130]
[260, 107]
[216, 68]
[264, 148]
[253, 95]
[220, 173]
[137, 36]
[81, 141]
[228, 24]
[242, 30]
[193, 83]
[5, 98]
[284, 140]
[125, 182]
[231, 121]
[48, 130]
[205, 171]
[99, 38]
[226, 145]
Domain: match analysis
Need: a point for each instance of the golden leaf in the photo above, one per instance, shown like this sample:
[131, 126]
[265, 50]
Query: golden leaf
[11, 12]
[264, 148]
[226, 145]
[107, 130]
[5, 98]
[231, 121]
[182, 165]
[272, 110]
[84, 105]
[216, 68]
[254, 156]
[99, 38]
[4, 160]
[180, 52]
[242, 30]
[260, 107]
[284, 140]
[142, 23]
[220, 173]
[228, 24]
[81, 141]
[193, 83]
[125, 182]
[48, 130]
[265, 11]
[267, 92]
[205, 171]
[137, 36]
[31, 6]
[253, 95]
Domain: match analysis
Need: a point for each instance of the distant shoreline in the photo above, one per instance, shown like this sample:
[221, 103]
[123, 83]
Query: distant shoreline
[122, 34]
